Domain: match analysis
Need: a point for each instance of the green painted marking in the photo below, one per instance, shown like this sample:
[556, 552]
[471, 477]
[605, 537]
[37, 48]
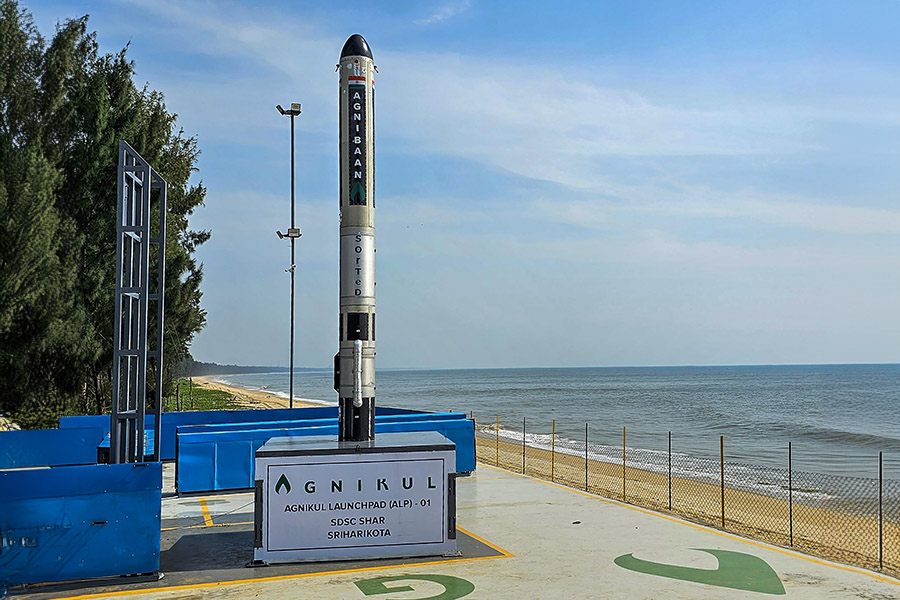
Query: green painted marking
[454, 587]
[358, 193]
[736, 570]
[282, 483]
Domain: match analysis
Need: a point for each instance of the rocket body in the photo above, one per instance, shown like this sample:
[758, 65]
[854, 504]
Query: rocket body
[355, 362]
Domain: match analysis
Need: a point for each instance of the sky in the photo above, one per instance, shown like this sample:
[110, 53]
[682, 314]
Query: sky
[574, 183]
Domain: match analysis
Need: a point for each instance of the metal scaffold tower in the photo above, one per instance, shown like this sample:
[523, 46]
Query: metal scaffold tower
[135, 234]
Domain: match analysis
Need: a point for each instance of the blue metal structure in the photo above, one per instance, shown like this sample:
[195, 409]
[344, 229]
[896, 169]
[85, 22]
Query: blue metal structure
[79, 522]
[103, 447]
[88, 520]
[223, 460]
[50, 447]
[312, 422]
[170, 421]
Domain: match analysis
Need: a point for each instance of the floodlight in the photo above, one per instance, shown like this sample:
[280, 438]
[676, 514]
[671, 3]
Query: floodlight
[293, 111]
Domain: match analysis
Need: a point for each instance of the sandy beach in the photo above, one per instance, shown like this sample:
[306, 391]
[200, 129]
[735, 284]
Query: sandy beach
[250, 398]
[836, 534]
[845, 535]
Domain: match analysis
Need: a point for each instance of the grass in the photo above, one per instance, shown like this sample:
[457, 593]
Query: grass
[204, 399]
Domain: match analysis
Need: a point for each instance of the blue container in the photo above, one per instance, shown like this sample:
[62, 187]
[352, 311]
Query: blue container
[172, 420]
[214, 427]
[50, 447]
[79, 522]
[223, 460]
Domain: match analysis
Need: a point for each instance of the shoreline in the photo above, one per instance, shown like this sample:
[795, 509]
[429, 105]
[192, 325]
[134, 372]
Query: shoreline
[835, 532]
[844, 531]
[252, 399]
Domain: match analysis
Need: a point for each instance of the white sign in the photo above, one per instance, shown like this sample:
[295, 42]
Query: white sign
[342, 505]
[354, 504]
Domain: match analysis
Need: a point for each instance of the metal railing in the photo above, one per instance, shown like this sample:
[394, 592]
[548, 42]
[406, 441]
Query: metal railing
[855, 520]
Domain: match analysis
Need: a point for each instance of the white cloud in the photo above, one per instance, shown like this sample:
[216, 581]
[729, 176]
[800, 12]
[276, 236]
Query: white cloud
[560, 123]
[650, 252]
[448, 11]
[549, 123]
[554, 124]
[696, 201]
[582, 213]
[801, 215]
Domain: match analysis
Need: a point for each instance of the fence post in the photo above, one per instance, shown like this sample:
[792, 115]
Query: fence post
[585, 456]
[553, 452]
[623, 464]
[191, 391]
[497, 443]
[670, 470]
[722, 472]
[880, 515]
[523, 445]
[790, 493]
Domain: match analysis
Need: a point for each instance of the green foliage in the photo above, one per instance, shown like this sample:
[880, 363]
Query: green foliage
[63, 109]
[203, 398]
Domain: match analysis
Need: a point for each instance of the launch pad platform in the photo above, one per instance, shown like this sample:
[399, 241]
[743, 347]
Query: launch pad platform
[520, 539]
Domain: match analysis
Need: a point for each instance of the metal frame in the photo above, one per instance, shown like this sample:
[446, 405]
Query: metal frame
[135, 181]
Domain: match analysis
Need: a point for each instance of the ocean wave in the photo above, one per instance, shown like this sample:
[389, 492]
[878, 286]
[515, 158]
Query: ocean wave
[751, 478]
[839, 436]
[287, 396]
[278, 393]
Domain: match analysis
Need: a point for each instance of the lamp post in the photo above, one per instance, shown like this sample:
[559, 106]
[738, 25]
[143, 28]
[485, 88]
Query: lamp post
[292, 233]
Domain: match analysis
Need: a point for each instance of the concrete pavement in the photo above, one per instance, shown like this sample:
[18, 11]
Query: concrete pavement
[527, 539]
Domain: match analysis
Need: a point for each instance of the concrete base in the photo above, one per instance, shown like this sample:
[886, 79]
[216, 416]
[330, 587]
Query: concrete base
[543, 541]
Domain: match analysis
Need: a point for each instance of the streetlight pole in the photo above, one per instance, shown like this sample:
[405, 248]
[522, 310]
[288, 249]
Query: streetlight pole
[293, 233]
[293, 265]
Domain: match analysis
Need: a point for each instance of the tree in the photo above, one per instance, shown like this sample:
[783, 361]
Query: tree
[63, 109]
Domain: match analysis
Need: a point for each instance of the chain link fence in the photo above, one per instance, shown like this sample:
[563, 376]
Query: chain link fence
[854, 520]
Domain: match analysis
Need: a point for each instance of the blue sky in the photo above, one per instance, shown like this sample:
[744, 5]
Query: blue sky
[573, 183]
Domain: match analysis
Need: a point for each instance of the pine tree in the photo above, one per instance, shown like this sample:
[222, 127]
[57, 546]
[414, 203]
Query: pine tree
[64, 109]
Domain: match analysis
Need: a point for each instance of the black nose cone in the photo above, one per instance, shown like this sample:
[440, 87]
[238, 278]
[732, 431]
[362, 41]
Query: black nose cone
[356, 45]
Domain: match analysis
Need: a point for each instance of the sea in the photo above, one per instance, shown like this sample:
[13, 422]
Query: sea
[837, 418]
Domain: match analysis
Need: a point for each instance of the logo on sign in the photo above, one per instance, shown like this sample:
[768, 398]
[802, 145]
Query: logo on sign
[283, 483]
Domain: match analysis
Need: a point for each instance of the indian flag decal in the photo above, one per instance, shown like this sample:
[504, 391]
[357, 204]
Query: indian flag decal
[356, 80]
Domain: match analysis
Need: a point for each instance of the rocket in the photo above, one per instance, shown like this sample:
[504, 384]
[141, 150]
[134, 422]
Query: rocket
[354, 364]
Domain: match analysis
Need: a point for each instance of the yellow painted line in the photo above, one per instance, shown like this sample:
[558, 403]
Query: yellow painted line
[504, 553]
[196, 586]
[496, 548]
[205, 526]
[207, 520]
[729, 536]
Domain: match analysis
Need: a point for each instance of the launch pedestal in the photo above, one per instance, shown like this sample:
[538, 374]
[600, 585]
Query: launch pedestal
[319, 499]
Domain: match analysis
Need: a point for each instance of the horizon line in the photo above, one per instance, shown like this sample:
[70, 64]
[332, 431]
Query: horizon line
[673, 366]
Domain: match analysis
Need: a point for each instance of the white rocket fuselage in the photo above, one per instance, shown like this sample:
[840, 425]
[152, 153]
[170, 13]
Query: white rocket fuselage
[355, 383]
